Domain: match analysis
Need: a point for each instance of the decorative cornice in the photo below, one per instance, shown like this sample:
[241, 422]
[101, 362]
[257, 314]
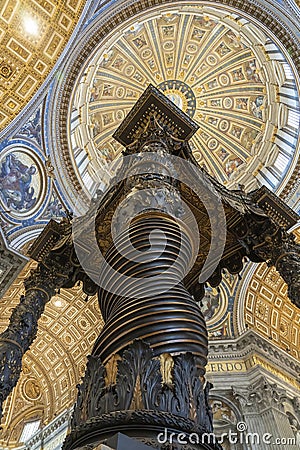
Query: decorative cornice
[250, 343]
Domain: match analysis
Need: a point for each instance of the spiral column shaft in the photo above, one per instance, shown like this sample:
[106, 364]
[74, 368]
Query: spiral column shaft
[158, 309]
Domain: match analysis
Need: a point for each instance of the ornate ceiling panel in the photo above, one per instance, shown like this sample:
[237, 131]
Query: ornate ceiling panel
[228, 75]
[32, 36]
[56, 360]
[268, 310]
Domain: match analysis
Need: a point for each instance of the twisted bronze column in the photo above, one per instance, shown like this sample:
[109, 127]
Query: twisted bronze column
[161, 311]
[22, 329]
[145, 376]
[146, 371]
[57, 267]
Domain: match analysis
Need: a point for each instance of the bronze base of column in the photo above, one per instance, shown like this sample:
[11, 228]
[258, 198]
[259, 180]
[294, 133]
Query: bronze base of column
[143, 396]
[156, 429]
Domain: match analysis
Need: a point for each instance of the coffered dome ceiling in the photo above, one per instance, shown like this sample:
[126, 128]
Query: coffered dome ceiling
[223, 71]
[33, 34]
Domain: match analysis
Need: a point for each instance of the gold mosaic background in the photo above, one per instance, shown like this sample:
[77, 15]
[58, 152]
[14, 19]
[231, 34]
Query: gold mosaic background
[26, 57]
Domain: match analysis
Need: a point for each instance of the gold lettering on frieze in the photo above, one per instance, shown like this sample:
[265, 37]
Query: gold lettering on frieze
[232, 366]
[255, 360]
[245, 365]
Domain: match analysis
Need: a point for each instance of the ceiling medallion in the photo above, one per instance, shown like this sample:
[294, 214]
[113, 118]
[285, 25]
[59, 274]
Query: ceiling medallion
[22, 181]
[31, 389]
[180, 94]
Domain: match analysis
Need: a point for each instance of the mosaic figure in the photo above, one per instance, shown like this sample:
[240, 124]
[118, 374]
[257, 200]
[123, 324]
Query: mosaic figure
[232, 165]
[222, 50]
[15, 183]
[251, 72]
[197, 34]
[54, 209]
[32, 129]
[257, 106]
[140, 41]
[210, 303]
[168, 31]
[233, 40]
[222, 154]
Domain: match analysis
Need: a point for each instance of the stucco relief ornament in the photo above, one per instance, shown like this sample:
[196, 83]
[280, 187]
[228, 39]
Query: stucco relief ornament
[262, 394]
[296, 404]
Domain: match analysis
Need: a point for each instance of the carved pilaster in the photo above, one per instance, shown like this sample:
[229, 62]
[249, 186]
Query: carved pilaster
[261, 395]
[296, 406]
[262, 405]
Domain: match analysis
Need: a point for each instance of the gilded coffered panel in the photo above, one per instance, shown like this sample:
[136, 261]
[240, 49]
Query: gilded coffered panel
[268, 310]
[32, 36]
[55, 362]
